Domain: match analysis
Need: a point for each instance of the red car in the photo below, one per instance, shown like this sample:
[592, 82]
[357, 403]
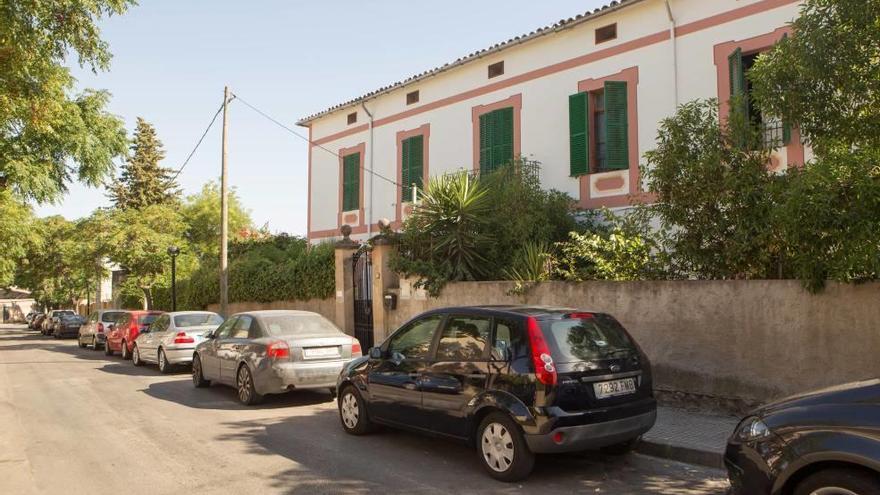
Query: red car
[121, 335]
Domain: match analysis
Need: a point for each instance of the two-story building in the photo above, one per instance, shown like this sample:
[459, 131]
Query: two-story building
[583, 97]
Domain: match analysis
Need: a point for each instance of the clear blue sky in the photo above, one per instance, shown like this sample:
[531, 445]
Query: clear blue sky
[291, 58]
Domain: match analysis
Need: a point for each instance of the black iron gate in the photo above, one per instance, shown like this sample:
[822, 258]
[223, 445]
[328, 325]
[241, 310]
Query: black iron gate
[363, 297]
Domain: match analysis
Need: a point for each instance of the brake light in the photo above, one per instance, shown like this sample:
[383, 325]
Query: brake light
[100, 328]
[183, 338]
[545, 371]
[578, 316]
[356, 348]
[278, 350]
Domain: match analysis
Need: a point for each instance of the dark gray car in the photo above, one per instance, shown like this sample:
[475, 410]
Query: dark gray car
[94, 332]
[272, 352]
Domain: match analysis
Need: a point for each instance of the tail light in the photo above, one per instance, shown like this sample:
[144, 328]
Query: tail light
[356, 348]
[183, 338]
[278, 350]
[580, 316]
[100, 328]
[545, 371]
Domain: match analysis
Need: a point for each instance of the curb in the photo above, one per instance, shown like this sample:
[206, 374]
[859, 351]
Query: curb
[682, 454]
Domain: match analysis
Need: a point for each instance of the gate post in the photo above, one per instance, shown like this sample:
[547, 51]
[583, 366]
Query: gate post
[384, 279]
[345, 248]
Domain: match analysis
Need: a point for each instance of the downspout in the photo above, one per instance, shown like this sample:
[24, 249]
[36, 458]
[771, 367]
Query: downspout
[674, 57]
[370, 205]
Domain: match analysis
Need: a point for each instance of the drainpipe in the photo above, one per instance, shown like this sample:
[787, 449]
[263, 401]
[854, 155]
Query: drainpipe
[674, 57]
[370, 205]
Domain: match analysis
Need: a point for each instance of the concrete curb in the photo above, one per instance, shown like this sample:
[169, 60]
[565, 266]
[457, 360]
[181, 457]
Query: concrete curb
[682, 454]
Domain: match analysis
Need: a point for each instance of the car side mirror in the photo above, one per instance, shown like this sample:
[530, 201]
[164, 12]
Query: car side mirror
[209, 335]
[375, 353]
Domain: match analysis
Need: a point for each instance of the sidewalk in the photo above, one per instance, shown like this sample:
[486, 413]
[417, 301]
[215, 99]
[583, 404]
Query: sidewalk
[686, 436]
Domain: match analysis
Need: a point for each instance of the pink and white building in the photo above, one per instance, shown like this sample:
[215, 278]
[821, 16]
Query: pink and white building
[583, 97]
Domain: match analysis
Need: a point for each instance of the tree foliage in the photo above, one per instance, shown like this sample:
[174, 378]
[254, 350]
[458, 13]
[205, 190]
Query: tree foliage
[48, 135]
[16, 235]
[143, 182]
[201, 213]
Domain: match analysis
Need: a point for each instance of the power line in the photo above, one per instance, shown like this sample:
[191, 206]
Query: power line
[193, 152]
[306, 139]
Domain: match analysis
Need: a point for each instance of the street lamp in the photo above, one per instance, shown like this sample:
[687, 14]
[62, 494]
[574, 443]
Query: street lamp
[173, 251]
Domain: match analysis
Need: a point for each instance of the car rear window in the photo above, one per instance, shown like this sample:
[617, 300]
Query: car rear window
[147, 319]
[587, 338]
[197, 320]
[111, 317]
[292, 325]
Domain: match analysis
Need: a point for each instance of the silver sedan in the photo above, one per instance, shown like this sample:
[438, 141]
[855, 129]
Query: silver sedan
[171, 339]
[271, 352]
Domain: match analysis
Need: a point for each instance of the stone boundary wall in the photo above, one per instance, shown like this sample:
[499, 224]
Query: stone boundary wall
[325, 307]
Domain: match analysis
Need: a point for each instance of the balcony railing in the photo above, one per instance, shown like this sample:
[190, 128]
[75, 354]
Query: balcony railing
[773, 135]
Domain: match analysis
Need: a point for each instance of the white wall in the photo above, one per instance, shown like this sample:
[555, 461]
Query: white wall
[544, 118]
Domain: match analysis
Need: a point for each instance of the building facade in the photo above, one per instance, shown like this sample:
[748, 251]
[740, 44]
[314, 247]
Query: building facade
[583, 97]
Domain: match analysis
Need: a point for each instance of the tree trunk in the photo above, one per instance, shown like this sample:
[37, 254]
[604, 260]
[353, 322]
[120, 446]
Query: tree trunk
[148, 297]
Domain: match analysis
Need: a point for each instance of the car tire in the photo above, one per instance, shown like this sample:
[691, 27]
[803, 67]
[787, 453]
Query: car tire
[244, 385]
[162, 360]
[353, 412]
[80, 342]
[502, 449]
[198, 377]
[622, 448]
[136, 356]
[123, 351]
[94, 343]
[851, 480]
[107, 350]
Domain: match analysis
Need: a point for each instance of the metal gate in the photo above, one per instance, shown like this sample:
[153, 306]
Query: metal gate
[363, 297]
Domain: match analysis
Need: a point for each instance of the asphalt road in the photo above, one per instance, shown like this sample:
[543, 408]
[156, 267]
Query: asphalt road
[74, 421]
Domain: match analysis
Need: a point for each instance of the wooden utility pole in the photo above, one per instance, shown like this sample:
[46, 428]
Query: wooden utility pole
[224, 216]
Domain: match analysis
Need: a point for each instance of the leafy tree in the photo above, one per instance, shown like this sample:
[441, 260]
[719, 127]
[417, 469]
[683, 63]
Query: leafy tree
[51, 269]
[49, 136]
[825, 78]
[201, 212]
[143, 181]
[16, 235]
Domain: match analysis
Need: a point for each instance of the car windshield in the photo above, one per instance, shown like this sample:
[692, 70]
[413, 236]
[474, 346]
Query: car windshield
[63, 312]
[111, 317]
[147, 319]
[587, 338]
[292, 325]
[197, 320]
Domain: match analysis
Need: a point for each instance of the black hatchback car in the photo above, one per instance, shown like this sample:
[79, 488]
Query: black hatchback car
[825, 442]
[511, 380]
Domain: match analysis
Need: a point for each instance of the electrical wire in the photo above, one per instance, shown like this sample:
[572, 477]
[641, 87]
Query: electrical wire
[306, 139]
[193, 152]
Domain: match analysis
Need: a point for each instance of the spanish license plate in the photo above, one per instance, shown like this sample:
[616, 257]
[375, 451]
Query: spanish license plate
[614, 388]
[320, 352]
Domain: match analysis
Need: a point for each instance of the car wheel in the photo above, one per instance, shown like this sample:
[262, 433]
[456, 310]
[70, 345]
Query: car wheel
[164, 366]
[621, 448]
[80, 342]
[502, 449]
[839, 482]
[107, 350]
[123, 351]
[247, 394]
[136, 356]
[198, 378]
[353, 412]
[94, 343]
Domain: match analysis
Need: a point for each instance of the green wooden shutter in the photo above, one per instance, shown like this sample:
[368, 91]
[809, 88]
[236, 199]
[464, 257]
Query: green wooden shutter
[616, 125]
[738, 81]
[578, 134]
[406, 189]
[485, 140]
[351, 178]
[412, 166]
[502, 152]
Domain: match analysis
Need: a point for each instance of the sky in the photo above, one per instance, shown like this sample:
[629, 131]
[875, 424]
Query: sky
[291, 59]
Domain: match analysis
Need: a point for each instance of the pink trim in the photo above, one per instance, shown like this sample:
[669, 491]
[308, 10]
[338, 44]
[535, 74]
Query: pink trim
[794, 149]
[731, 15]
[425, 132]
[514, 101]
[631, 77]
[343, 152]
[341, 134]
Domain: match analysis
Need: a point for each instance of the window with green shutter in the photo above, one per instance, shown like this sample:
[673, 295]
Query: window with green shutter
[738, 90]
[351, 182]
[412, 166]
[496, 139]
[578, 134]
[616, 126]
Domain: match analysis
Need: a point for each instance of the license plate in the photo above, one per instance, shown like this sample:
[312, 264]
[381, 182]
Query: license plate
[614, 387]
[320, 352]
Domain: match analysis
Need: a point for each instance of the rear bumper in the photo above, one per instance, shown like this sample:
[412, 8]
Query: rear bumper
[68, 332]
[281, 377]
[592, 436]
[179, 355]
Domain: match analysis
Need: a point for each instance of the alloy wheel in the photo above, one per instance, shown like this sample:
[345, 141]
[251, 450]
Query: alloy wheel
[197, 371]
[162, 363]
[350, 411]
[833, 490]
[497, 447]
[244, 385]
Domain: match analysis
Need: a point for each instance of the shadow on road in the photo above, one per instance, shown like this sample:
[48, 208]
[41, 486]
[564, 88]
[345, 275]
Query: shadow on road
[221, 397]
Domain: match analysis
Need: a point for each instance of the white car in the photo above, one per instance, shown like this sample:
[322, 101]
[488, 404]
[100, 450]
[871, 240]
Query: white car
[173, 337]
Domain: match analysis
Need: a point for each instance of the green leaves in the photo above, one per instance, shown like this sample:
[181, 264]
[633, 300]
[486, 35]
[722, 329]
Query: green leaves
[143, 182]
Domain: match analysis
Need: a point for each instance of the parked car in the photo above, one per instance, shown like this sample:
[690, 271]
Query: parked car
[37, 322]
[173, 337]
[126, 329]
[272, 352]
[825, 442]
[513, 381]
[29, 318]
[47, 327]
[68, 325]
[94, 332]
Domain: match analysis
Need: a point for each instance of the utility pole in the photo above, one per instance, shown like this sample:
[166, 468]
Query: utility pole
[224, 216]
